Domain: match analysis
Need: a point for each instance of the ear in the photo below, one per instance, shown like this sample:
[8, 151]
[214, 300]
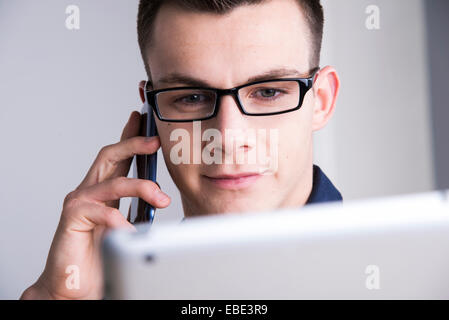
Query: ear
[142, 89]
[325, 88]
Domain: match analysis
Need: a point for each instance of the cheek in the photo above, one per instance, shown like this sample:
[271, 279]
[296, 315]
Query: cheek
[295, 136]
[181, 173]
[166, 130]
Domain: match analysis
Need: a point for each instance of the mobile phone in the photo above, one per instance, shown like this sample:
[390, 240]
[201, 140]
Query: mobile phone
[144, 167]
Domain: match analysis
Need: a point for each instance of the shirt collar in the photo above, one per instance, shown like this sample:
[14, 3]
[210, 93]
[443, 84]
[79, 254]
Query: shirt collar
[322, 190]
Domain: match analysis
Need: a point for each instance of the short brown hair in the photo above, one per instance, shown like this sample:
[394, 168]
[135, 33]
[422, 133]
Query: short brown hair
[148, 9]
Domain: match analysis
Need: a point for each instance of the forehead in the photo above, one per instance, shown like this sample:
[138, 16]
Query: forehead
[225, 50]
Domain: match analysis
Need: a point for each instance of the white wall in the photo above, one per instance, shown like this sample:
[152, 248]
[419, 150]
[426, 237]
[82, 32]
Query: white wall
[379, 142]
[65, 94]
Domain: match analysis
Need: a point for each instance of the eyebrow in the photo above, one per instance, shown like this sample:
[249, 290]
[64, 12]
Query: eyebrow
[179, 78]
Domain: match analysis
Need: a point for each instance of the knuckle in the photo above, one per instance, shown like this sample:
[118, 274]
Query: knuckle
[144, 188]
[135, 145]
[111, 212]
[149, 186]
[70, 199]
[119, 180]
[104, 151]
[136, 142]
[117, 184]
[72, 205]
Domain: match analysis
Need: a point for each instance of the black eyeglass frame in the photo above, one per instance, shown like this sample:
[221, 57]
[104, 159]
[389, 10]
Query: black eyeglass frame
[305, 84]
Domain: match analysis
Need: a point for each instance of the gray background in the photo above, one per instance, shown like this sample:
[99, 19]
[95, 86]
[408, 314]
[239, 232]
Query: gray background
[65, 94]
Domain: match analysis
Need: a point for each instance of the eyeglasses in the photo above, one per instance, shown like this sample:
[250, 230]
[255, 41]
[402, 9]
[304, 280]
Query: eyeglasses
[260, 98]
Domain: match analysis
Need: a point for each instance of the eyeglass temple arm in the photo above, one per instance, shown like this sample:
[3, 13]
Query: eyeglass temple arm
[148, 82]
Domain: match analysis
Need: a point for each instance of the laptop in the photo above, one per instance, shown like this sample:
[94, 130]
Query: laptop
[387, 248]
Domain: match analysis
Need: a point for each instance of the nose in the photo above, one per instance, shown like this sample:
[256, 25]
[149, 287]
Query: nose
[231, 123]
[229, 115]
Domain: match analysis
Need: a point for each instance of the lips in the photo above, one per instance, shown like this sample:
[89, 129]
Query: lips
[233, 181]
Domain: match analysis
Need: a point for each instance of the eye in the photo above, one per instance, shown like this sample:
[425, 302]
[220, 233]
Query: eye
[267, 93]
[193, 98]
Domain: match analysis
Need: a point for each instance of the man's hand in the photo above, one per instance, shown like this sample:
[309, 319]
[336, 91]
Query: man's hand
[91, 209]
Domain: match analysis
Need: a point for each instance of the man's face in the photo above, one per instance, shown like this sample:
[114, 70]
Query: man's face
[225, 51]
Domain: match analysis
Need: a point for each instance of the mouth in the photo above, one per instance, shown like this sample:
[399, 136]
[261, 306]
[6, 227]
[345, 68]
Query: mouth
[233, 181]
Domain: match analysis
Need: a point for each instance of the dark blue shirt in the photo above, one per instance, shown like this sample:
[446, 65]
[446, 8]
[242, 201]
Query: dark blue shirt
[322, 190]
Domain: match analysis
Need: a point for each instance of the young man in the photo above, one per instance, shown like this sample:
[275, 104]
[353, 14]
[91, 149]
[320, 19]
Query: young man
[270, 51]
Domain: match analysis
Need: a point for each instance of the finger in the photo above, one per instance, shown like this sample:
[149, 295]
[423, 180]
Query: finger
[110, 157]
[131, 126]
[88, 178]
[114, 189]
[131, 129]
[86, 216]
